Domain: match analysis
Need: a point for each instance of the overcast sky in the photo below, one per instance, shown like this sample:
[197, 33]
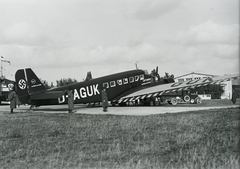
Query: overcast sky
[66, 38]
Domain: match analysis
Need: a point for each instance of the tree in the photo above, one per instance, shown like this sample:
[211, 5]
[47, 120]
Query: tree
[167, 75]
[45, 83]
[167, 78]
[64, 82]
[216, 90]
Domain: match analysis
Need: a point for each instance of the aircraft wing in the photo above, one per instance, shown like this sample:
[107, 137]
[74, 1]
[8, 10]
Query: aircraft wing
[158, 90]
[47, 95]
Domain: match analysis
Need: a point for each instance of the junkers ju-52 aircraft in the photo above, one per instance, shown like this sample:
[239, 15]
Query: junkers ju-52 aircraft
[128, 86]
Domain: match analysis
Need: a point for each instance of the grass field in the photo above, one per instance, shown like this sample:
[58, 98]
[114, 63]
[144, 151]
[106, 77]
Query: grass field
[201, 139]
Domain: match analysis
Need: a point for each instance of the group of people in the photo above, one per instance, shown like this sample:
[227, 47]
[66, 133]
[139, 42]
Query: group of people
[71, 100]
[14, 101]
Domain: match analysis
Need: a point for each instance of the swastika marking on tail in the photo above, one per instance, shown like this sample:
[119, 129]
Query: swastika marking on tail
[22, 84]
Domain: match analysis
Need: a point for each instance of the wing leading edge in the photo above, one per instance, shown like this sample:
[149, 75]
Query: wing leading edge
[158, 90]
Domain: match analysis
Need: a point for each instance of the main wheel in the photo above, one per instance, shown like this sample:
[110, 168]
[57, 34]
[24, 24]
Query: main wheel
[192, 101]
[186, 98]
[198, 100]
[174, 101]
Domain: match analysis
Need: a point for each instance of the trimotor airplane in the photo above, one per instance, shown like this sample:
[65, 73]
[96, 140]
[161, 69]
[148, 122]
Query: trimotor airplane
[121, 88]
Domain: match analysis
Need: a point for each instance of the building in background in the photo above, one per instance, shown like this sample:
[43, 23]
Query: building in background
[5, 86]
[227, 86]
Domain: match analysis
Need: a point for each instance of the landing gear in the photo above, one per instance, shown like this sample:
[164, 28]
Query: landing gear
[192, 101]
[174, 101]
[186, 98]
[198, 100]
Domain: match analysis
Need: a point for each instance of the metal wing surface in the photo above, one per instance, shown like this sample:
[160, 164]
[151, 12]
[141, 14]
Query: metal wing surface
[158, 90]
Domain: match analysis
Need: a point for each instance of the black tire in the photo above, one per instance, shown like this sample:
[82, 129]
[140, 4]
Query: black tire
[198, 100]
[174, 101]
[186, 98]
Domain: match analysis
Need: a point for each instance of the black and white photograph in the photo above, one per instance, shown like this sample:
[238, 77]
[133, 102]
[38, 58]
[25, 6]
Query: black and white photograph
[119, 84]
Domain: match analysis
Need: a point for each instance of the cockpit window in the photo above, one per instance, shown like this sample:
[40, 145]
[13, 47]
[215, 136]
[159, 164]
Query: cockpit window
[146, 72]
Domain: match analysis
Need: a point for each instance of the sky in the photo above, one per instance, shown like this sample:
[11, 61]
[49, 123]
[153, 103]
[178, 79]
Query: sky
[67, 38]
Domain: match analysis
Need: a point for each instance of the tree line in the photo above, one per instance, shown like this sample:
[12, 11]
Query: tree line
[59, 83]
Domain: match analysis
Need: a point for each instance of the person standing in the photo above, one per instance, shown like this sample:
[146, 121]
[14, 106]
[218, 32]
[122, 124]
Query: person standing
[70, 100]
[12, 98]
[234, 97]
[104, 100]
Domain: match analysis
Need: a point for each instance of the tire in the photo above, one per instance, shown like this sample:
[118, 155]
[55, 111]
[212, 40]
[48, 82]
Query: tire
[186, 98]
[174, 101]
[198, 100]
[192, 101]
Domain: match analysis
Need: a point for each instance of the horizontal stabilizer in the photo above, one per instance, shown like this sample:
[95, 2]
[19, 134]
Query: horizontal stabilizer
[47, 95]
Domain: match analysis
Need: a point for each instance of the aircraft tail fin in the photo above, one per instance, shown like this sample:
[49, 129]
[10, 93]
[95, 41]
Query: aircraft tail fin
[27, 83]
[34, 83]
[21, 86]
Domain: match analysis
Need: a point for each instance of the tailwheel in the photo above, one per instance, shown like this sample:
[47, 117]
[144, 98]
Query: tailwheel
[174, 101]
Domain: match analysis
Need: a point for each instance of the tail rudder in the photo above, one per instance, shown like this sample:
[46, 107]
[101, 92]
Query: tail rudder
[34, 83]
[21, 86]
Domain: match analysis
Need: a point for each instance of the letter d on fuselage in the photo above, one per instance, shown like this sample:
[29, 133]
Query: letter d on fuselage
[82, 93]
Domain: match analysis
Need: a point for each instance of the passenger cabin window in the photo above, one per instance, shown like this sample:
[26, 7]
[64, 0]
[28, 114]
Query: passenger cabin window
[188, 79]
[112, 84]
[131, 79]
[141, 77]
[125, 81]
[180, 80]
[119, 82]
[105, 85]
[136, 78]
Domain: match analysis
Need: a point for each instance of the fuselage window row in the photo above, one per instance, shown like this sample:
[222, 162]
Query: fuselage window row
[123, 81]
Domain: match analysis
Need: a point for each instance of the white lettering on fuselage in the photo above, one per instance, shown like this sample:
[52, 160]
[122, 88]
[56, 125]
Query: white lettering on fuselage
[76, 95]
[83, 92]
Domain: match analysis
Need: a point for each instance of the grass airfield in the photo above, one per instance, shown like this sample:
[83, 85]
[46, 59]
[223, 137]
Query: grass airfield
[193, 139]
[126, 110]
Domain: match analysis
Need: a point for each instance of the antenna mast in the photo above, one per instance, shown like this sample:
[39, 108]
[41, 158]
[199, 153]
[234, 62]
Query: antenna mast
[136, 64]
